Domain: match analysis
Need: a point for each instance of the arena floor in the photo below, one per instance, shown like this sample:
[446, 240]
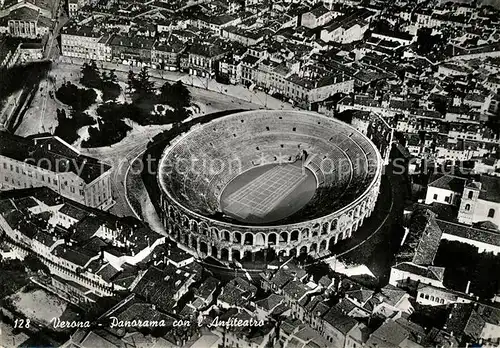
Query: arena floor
[268, 193]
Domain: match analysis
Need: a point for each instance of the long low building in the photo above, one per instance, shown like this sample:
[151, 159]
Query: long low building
[46, 160]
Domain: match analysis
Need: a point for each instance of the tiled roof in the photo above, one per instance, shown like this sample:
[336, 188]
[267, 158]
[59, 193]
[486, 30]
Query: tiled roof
[295, 289]
[73, 211]
[464, 319]
[25, 203]
[418, 270]
[51, 154]
[464, 231]
[449, 182]
[340, 321]
[74, 255]
[390, 334]
[270, 302]
[490, 188]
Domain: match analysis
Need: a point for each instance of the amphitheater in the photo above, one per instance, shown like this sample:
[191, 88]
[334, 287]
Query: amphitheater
[291, 181]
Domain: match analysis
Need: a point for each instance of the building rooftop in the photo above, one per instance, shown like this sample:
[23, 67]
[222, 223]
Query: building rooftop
[51, 153]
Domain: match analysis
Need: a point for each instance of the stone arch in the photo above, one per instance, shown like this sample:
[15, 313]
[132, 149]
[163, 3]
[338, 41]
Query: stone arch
[333, 225]
[293, 252]
[203, 228]
[194, 243]
[272, 239]
[185, 222]
[186, 240]
[304, 234]
[356, 212]
[214, 233]
[316, 227]
[325, 228]
[284, 237]
[294, 236]
[333, 240]
[203, 247]
[314, 248]
[235, 254]
[176, 230]
[225, 235]
[224, 254]
[303, 250]
[177, 216]
[194, 226]
[214, 251]
[171, 213]
[248, 238]
[323, 245]
[260, 239]
[237, 237]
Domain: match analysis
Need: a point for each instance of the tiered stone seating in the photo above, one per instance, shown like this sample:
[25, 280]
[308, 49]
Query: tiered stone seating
[338, 155]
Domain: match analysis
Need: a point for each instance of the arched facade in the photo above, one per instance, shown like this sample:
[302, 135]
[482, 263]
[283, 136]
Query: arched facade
[227, 241]
[223, 241]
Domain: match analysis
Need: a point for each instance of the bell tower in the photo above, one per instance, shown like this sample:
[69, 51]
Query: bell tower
[468, 202]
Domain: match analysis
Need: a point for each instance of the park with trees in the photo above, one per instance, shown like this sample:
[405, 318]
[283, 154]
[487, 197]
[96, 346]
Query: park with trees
[146, 105]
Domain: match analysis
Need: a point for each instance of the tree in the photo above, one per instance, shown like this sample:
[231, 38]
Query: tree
[35, 265]
[90, 75]
[145, 85]
[112, 76]
[131, 81]
[176, 95]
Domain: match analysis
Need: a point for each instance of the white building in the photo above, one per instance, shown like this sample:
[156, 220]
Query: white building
[446, 190]
[51, 162]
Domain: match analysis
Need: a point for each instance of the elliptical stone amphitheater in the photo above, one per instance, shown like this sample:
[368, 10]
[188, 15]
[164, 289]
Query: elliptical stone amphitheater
[197, 167]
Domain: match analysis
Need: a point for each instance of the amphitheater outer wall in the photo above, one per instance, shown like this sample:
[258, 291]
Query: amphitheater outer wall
[226, 241]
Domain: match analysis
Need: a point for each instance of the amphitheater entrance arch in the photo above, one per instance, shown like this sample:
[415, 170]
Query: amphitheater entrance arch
[304, 234]
[325, 228]
[204, 228]
[314, 248]
[176, 231]
[235, 255]
[185, 222]
[226, 235]
[224, 254]
[303, 250]
[186, 239]
[215, 233]
[322, 245]
[249, 238]
[293, 252]
[294, 236]
[237, 237]
[333, 241]
[214, 251]
[316, 228]
[284, 237]
[333, 225]
[194, 226]
[194, 244]
[271, 239]
[203, 248]
[260, 239]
